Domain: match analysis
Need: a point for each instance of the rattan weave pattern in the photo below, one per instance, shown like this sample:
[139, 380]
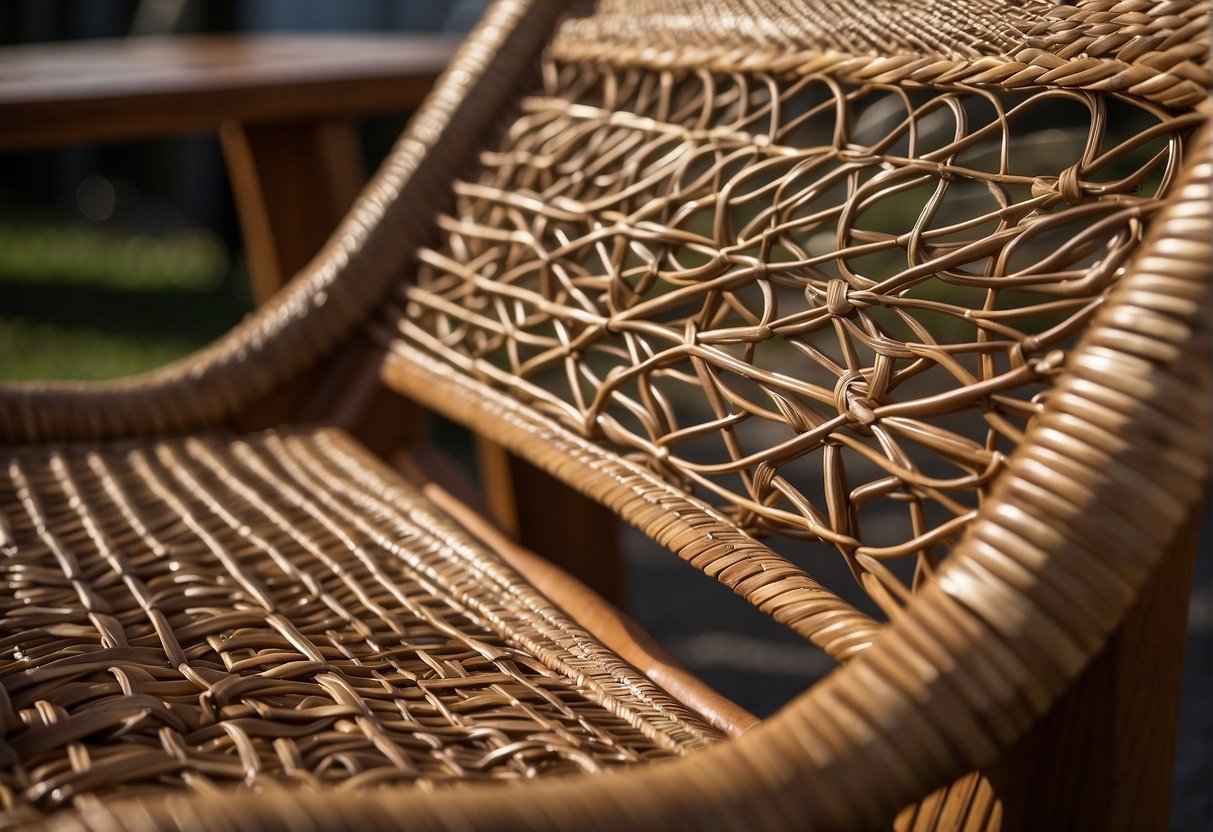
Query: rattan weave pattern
[273, 612]
[813, 304]
[970, 663]
[1154, 49]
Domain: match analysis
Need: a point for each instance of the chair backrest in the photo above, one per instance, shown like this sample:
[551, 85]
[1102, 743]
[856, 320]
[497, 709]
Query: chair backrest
[816, 270]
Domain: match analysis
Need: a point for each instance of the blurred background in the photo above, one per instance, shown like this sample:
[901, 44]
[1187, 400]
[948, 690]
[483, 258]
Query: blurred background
[117, 258]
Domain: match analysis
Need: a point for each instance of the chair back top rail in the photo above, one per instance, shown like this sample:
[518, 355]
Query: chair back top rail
[1154, 50]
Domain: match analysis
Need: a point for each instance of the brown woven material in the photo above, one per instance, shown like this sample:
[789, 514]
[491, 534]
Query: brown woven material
[277, 612]
[1150, 49]
[737, 269]
[785, 295]
[982, 650]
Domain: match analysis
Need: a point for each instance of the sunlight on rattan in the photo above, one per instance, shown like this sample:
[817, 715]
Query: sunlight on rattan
[828, 309]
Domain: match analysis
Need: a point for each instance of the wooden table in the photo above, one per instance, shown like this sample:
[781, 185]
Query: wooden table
[281, 105]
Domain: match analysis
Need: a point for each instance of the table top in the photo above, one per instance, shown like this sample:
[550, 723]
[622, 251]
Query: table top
[100, 90]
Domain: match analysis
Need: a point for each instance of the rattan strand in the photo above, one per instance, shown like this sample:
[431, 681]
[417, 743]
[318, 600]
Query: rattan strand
[275, 612]
[1156, 50]
[785, 294]
[686, 526]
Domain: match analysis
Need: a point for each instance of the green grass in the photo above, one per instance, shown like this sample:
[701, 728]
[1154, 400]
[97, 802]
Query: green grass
[48, 351]
[36, 253]
[82, 302]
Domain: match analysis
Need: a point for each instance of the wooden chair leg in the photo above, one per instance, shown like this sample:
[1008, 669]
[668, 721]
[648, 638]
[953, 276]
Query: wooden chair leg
[553, 520]
[1103, 757]
[292, 184]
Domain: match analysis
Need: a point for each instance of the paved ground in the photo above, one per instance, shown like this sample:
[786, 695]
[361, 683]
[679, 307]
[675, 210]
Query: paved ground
[761, 666]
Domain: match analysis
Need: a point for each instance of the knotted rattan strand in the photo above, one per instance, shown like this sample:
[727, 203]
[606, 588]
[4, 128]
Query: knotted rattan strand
[561, 279]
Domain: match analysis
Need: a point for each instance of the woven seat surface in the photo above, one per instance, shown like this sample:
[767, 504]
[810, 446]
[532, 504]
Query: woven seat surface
[281, 611]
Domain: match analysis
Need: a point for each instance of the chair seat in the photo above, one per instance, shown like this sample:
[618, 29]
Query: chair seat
[281, 610]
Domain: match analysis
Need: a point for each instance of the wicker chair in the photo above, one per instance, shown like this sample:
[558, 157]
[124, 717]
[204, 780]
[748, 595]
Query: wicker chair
[745, 274]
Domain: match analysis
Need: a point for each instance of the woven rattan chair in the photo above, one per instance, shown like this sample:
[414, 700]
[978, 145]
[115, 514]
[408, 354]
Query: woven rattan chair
[748, 273]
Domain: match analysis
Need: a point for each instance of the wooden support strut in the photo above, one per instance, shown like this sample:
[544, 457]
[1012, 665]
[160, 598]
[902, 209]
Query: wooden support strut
[546, 516]
[293, 182]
